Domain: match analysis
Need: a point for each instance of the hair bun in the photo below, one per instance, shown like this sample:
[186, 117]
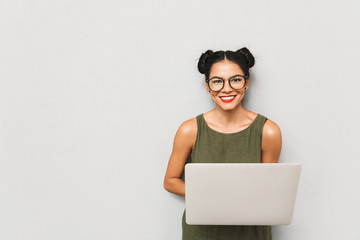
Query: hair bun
[203, 60]
[250, 60]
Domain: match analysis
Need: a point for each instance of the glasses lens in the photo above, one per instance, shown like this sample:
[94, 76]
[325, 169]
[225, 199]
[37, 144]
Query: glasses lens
[216, 84]
[237, 82]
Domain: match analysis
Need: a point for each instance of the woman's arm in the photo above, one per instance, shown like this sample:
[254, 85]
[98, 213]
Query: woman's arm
[271, 142]
[183, 143]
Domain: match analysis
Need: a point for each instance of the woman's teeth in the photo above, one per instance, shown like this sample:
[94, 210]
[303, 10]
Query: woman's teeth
[227, 98]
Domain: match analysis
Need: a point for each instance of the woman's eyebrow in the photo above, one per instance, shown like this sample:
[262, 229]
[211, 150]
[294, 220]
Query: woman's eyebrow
[229, 77]
[216, 77]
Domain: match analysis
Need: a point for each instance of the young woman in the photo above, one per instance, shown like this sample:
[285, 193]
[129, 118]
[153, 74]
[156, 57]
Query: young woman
[228, 133]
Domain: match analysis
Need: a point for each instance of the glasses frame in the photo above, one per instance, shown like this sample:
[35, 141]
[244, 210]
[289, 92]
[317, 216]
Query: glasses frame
[246, 77]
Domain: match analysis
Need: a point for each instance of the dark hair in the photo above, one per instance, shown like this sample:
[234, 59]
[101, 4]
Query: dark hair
[242, 57]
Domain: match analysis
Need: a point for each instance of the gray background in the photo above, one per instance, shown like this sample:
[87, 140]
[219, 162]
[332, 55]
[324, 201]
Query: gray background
[92, 93]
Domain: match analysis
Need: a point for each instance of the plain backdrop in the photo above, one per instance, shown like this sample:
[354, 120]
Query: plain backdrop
[93, 92]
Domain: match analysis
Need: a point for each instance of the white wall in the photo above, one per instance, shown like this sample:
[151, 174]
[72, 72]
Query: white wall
[92, 93]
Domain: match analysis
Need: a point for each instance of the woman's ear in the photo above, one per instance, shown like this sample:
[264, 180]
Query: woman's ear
[247, 84]
[207, 87]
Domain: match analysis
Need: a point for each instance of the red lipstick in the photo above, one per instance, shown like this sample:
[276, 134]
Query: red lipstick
[228, 100]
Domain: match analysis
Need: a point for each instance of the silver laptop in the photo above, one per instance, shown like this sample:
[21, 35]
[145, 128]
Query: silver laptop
[240, 193]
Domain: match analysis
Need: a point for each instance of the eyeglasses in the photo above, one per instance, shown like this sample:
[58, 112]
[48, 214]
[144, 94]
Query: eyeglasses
[236, 82]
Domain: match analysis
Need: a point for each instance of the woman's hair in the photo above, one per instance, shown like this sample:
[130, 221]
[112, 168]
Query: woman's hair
[242, 57]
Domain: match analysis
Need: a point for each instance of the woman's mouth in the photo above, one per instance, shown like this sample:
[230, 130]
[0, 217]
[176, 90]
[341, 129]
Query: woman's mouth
[227, 99]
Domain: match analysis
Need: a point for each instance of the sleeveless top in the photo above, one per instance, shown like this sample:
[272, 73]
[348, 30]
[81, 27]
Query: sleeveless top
[216, 147]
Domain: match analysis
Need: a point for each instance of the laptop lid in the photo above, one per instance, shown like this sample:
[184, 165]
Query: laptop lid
[240, 193]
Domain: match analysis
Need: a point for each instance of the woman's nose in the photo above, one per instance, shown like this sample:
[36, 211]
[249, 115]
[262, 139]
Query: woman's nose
[227, 87]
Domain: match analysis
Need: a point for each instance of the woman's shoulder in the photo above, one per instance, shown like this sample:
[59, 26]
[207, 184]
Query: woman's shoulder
[271, 142]
[187, 133]
[271, 129]
[189, 127]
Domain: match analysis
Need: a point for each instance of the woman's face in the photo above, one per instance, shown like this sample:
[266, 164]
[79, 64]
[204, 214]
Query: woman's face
[227, 98]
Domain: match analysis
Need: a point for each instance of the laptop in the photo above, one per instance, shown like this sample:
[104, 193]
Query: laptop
[240, 193]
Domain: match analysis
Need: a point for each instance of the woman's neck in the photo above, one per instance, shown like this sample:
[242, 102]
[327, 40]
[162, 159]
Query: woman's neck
[230, 117]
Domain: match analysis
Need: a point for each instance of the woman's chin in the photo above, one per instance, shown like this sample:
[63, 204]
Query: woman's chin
[229, 106]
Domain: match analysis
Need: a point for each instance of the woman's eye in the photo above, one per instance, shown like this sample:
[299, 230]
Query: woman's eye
[217, 81]
[237, 80]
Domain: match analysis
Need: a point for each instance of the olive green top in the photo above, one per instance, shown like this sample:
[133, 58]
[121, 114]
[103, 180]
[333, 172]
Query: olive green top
[216, 147]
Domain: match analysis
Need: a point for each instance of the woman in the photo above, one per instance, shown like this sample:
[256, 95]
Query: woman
[228, 133]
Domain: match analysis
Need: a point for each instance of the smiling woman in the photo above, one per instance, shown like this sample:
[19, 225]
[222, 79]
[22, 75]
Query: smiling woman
[228, 133]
